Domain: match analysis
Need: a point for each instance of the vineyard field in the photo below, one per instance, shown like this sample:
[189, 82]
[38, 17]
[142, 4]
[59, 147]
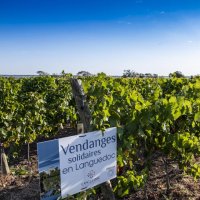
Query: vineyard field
[157, 120]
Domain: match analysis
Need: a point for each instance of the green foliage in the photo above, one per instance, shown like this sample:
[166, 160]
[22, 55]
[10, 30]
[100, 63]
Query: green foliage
[129, 182]
[154, 115]
[34, 107]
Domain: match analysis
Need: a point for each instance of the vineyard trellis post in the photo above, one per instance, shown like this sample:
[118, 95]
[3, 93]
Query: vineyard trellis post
[4, 163]
[85, 117]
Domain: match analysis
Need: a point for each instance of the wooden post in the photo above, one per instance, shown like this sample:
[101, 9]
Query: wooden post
[4, 163]
[85, 117]
[81, 104]
[80, 128]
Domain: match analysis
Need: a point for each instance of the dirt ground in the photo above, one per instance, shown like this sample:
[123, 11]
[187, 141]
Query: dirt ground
[23, 182]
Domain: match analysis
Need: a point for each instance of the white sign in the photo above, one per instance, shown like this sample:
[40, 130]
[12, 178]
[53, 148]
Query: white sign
[87, 160]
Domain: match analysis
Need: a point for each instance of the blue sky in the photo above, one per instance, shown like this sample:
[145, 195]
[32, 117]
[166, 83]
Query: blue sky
[147, 36]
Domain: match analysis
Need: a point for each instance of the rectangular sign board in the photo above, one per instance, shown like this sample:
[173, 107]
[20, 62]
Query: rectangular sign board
[77, 163]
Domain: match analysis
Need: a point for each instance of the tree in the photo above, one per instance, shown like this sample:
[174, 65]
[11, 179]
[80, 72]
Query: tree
[148, 75]
[176, 74]
[42, 73]
[141, 75]
[129, 73]
[155, 75]
[84, 73]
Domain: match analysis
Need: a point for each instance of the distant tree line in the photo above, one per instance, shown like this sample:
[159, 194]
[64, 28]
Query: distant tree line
[126, 73]
[131, 73]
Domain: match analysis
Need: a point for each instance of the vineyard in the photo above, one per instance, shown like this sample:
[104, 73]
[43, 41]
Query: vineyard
[155, 117]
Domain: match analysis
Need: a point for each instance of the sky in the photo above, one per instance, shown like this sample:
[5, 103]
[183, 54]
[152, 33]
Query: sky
[110, 36]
